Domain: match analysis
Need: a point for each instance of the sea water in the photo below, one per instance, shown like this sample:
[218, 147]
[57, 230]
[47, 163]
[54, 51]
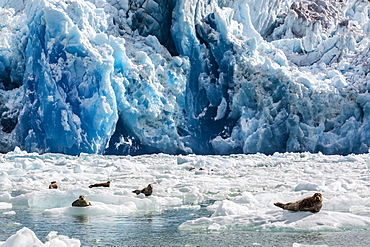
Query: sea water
[197, 200]
[162, 230]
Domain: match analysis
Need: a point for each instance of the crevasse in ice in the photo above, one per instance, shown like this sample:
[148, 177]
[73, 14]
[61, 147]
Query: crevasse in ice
[185, 76]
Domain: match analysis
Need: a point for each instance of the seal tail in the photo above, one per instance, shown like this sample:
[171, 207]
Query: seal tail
[279, 204]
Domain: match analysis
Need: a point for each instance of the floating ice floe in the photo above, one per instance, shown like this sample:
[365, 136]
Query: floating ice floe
[26, 237]
[96, 209]
[5, 205]
[248, 220]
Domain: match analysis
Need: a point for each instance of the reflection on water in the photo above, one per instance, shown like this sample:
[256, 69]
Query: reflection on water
[161, 229]
[81, 218]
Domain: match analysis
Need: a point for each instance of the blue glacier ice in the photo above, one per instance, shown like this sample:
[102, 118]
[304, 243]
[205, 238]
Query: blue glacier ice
[185, 76]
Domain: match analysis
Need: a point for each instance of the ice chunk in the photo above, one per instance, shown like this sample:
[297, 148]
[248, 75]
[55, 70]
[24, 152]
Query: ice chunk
[229, 208]
[5, 183]
[60, 240]
[10, 213]
[221, 109]
[307, 186]
[23, 237]
[26, 237]
[5, 205]
[305, 245]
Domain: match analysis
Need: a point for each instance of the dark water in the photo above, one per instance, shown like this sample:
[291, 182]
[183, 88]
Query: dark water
[161, 229]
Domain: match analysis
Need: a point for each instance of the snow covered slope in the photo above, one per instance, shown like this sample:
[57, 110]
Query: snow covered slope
[185, 76]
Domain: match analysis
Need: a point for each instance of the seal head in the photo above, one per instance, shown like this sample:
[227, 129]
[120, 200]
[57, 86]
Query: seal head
[53, 185]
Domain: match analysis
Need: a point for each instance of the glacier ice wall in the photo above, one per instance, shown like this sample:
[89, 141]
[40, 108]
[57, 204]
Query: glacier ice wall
[185, 76]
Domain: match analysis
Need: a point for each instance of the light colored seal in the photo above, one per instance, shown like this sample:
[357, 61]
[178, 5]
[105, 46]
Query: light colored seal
[82, 201]
[312, 204]
[53, 185]
[107, 184]
[146, 191]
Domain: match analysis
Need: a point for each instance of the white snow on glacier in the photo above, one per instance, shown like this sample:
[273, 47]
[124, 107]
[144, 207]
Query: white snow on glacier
[185, 76]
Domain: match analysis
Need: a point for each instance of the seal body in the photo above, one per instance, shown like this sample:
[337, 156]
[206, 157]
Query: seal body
[146, 191]
[107, 184]
[312, 204]
[53, 185]
[82, 201]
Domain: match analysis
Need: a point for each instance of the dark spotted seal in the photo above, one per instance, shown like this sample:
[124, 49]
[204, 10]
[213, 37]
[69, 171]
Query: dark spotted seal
[82, 201]
[146, 191]
[312, 204]
[107, 184]
[53, 185]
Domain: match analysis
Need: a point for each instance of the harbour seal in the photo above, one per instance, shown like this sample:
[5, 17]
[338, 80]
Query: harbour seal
[193, 168]
[312, 204]
[82, 201]
[53, 185]
[146, 191]
[107, 184]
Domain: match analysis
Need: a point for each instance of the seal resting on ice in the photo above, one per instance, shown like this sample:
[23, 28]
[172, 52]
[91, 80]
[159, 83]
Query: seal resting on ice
[312, 204]
[146, 191]
[107, 184]
[53, 185]
[82, 201]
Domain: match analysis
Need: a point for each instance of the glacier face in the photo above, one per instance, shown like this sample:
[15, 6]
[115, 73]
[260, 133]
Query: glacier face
[185, 76]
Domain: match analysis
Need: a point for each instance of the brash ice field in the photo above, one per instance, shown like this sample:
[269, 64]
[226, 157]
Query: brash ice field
[227, 202]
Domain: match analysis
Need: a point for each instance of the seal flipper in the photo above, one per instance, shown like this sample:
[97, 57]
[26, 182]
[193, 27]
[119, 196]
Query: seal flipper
[137, 192]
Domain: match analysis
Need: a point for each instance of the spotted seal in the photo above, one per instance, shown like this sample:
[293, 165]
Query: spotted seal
[312, 204]
[146, 191]
[82, 201]
[107, 184]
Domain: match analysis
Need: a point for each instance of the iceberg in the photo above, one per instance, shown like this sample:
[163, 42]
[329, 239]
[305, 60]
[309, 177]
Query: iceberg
[182, 77]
